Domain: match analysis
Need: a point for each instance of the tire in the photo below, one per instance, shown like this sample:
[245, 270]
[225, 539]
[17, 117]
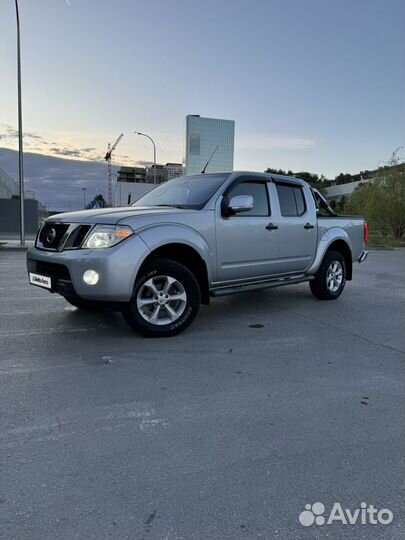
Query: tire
[330, 279]
[165, 301]
[80, 303]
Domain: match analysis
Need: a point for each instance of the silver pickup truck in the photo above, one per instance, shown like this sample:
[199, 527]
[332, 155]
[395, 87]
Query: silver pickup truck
[193, 238]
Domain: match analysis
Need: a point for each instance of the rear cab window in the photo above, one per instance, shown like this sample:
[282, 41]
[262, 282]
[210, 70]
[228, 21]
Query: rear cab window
[291, 199]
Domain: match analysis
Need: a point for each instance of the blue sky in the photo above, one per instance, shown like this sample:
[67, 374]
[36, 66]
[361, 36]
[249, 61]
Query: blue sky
[312, 84]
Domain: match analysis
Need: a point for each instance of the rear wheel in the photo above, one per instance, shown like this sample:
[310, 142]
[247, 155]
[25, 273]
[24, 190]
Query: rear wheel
[330, 279]
[166, 299]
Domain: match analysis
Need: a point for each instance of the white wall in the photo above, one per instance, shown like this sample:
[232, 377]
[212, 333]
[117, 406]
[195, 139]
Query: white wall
[342, 189]
[132, 189]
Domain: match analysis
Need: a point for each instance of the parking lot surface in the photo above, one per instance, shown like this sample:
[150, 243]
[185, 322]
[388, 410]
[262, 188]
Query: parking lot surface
[271, 400]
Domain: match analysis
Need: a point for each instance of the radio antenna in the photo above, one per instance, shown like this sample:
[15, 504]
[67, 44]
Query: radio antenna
[208, 162]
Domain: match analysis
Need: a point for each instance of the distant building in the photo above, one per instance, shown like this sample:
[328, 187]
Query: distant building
[164, 172]
[133, 182]
[142, 175]
[34, 211]
[173, 170]
[160, 174]
[8, 187]
[340, 190]
[202, 137]
[132, 174]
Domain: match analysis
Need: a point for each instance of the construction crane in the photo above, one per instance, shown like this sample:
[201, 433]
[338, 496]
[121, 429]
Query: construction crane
[108, 157]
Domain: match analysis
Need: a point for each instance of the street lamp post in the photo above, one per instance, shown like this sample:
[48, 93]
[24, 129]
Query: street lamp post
[84, 197]
[20, 132]
[154, 153]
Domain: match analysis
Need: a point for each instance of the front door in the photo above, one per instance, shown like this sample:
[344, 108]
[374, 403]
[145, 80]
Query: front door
[246, 245]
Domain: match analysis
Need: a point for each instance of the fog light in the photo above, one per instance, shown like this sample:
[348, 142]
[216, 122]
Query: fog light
[90, 277]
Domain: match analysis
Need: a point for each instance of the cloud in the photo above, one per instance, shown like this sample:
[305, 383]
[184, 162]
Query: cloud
[41, 144]
[66, 152]
[33, 136]
[90, 146]
[272, 142]
[143, 163]
[12, 133]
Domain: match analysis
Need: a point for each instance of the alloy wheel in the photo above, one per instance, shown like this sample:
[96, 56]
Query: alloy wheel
[334, 276]
[161, 300]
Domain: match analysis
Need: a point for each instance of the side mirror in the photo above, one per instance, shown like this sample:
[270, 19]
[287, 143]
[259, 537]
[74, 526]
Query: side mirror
[240, 203]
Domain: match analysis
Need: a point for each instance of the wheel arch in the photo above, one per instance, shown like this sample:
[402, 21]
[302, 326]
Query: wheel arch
[336, 239]
[188, 257]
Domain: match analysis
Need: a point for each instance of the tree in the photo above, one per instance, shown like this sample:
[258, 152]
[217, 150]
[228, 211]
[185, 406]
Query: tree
[99, 198]
[382, 201]
[340, 204]
[308, 177]
[343, 178]
[389, 201]
[279, 171]
[313, 179]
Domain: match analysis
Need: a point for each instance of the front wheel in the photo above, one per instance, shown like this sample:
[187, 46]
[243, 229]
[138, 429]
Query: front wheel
[330, 279]
[166, 299]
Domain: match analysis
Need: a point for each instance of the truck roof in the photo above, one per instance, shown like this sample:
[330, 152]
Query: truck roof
[276, 177]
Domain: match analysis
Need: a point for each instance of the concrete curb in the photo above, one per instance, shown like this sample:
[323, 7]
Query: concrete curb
[6, 245]
[388, 248]
[13, 248]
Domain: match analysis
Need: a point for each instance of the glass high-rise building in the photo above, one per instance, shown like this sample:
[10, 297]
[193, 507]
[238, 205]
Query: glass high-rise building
[203, 136]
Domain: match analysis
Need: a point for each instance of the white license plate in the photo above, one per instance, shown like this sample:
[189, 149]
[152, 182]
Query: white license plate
[40, 281]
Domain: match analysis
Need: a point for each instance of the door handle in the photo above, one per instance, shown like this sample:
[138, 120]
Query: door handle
[308, 226]
[271, 227]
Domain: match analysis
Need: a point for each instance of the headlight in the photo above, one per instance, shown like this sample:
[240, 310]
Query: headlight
[104, 236]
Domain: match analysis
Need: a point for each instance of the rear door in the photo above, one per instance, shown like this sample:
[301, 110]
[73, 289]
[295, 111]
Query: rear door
[246, 247]
[297, 233]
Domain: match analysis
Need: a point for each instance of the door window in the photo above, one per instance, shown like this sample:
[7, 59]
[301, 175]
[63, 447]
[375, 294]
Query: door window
[258, 190]
[292, 201]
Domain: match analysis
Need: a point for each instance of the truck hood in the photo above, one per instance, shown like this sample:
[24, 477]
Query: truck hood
[113, 215]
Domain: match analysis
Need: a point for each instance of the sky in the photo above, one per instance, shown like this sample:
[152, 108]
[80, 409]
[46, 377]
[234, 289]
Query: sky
[313, 85]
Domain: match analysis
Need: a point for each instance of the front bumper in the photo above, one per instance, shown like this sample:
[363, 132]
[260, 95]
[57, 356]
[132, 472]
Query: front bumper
[117, 267]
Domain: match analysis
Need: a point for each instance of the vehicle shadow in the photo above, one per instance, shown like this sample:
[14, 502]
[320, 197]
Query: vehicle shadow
[246, 307]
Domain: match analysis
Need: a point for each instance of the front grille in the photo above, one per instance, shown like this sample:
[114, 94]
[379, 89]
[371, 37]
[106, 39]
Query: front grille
[52, 234]
[61, 236]
[77, 236]
[58, 271]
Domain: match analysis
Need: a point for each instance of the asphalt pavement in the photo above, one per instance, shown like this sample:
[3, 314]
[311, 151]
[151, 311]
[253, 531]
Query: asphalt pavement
[270, 401]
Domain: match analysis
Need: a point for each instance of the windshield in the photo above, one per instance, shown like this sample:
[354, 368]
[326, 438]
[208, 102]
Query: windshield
[184, 192]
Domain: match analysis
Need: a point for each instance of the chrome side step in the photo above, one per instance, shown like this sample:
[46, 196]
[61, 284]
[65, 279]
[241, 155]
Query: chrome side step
[233, 289]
